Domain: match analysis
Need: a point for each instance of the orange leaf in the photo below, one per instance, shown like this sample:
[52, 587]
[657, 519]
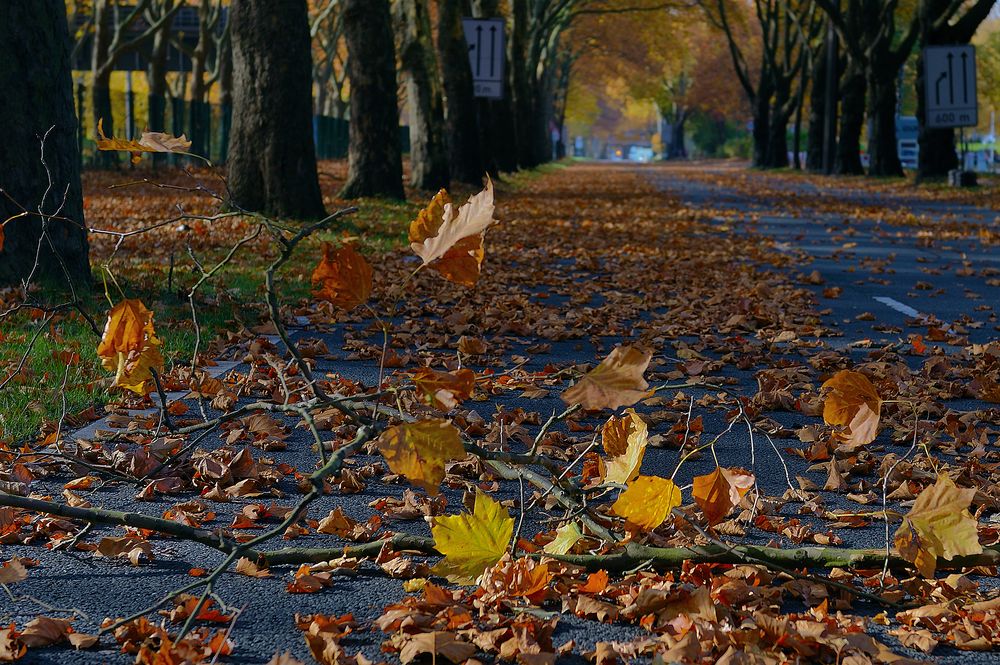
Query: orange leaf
[718, 492]
[596, 583]
[445, 390]
[129, 346]
[851, 402]
[451, 241]
[617, 381]
[343, 277]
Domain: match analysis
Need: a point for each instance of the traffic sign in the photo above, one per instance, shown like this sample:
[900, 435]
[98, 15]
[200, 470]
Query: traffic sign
[950, 86]
[485, 38]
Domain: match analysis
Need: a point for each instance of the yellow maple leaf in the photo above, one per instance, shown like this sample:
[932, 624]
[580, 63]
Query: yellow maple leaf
[342, 277]
[624, 440]
[647, 502]
[472, 542]
[852, 402]
[718, 492]
[939, 525]
[450, 239]
[616, 381]
[129, 346]
[419, 451]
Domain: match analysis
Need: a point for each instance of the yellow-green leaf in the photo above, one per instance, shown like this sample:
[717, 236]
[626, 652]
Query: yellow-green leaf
[566, 537]
[938, 526]
[472, 542]
[420, 450]
[647, 502]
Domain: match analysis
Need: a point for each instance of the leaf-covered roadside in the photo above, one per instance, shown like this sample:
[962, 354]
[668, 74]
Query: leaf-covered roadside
[637, 284]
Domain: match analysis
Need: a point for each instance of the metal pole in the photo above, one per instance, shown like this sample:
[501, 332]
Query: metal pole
[830, 110]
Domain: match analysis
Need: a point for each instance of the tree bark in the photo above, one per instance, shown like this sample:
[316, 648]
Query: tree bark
[883, 153]
[852, 119]
[37, 83]
[272, 159]
[816, 135]
[428, 154]
[462, 124]
[375, 166]
[761, 126]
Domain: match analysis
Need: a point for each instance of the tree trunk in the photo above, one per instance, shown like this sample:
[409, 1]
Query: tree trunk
[761, 127]
[816, 134]
[777, 141]
[375, 166]
[156, 75]
[36, 77]
[852, 120]
[462, 124]
[937, 153]
[677, 149]
[272, 160]
[100, 84]
[883, 153]
[428, 156]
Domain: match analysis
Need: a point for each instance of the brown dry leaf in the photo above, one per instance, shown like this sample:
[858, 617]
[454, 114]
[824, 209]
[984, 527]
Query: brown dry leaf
[12, 571]
[718, 492]
[616, 381]
[852, 402]
[245, 566]
[11, 647]
[420, 450]
[129, 346]
[624, 440]
[343, 277]
[148, 142]
[43, 631]
[434, 644]
[126, 547]
[938, 526]
[647, 502]
[450, 240]
[444, 390]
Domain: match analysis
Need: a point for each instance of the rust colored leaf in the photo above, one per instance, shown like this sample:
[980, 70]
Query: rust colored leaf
[718, 492]
[419, 451]
[343, 277]
[444, 390]
[852, 403]
[616, 381]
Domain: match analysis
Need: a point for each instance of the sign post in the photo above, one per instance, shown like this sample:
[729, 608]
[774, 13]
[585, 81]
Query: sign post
[487, 47]
[950, 86]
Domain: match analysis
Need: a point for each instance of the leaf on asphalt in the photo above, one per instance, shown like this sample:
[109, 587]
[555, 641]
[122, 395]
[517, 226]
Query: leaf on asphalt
[129, 346]
[418, 451]
[11, 646]
[450, 240]
[444, 390]
[472, 542]
[127, 547]
[624, 440]
[938, 526]
[245, 566]
[44, 631]
[647, 501]
[12, 571]
[343, 277]
[616, 381]
[148, 142]
[434, 644]
[720, 491]
[513, 578]
[566, 537]
[852, 403]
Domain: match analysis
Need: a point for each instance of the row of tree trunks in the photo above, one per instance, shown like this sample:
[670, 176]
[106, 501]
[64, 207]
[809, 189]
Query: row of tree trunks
[38, 99]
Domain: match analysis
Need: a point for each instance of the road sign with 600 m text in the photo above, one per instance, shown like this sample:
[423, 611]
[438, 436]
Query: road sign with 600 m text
[950, 86]
[485, 38]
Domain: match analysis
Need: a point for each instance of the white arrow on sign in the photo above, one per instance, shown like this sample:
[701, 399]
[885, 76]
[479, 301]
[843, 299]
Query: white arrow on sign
[950, 98]
[486, 40]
